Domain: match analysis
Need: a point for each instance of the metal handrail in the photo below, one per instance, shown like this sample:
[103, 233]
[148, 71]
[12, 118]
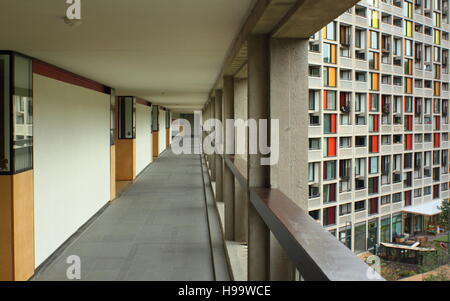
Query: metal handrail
[316, 254]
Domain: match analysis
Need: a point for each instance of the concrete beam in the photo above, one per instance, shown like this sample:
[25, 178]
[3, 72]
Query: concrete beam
[309, 16]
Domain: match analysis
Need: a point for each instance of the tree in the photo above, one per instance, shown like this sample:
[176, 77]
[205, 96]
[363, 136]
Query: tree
[444, 216]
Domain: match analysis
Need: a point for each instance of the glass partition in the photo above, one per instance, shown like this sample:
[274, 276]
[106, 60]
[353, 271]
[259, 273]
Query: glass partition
[155, 118]
[5, 137]
[127, 117]
[113, 117]
[168, 121]
[23, 114]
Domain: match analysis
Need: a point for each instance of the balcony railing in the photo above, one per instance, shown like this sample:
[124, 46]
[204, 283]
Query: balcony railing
[317, 255]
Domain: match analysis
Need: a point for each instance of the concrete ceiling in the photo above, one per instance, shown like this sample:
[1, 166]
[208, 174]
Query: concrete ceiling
[166, 51]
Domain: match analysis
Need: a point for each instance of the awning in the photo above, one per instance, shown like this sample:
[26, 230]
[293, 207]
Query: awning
[404, 247]
[428, 209]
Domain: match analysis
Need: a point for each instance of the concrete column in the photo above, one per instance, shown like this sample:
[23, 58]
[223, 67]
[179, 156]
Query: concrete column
[212, 157]
[228, 138]
[219, 146]
[258, 175]
[240, 197]
[289, 104]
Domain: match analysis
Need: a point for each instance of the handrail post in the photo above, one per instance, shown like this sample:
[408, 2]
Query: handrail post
[218, 147]
[241, 139]
[289, 106]
[228, 138]
[258, 175]
[212, 158]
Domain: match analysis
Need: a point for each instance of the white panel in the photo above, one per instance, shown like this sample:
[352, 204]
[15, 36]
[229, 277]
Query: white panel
[162, 131]
[72, 157]
[143, 137]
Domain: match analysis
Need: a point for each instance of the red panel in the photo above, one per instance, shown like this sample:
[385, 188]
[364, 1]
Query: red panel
[375, 147]
[437, 140]
[54, 72]
[331, 216]
[377, 123]
[374, 206]
[409, 142]
[325, 99]
[331, 147]
[333, 123]
[342, 99]
[438, 123]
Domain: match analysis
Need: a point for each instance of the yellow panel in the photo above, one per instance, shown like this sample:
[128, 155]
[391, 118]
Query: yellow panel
[23, 226]
[332, 77]
[125, 159]
[6, 224]
[113, 172]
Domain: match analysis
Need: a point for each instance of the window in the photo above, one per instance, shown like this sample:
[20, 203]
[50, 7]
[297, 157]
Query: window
[329, 100]
[346, 74]
[329, 53]
[329, 76]
[314, 143]
[155, 118]
[313, 172]
[396, 197]
[345, 209]
[314, 96]
[329, 32]
[360, 141]
[386, 199]
[360, 206]
[329, 170]
[374, 40]
[345, 142]
[329, 193]
[330, 123]
[314, 71]
[329, 216]
[127, 117]
[315, 214]
[21, 113]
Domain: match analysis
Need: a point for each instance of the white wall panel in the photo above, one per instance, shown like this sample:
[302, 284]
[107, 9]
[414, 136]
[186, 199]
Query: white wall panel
[72, 164]
[143, 137]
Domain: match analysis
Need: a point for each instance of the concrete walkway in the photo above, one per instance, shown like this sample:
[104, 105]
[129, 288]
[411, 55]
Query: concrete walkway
[156, 230]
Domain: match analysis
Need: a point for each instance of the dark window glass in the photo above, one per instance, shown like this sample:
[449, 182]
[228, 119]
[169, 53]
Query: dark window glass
[127, 117]
[155, 118]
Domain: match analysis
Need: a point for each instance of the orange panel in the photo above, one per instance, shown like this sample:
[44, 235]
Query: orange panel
[331, 147]
[332, 77]
[437, 140]
[23, 225]
[155, 144]
[113, 172]
[374, 144]
[17, 227]
[167, 138]
[6, 226]
[125, 159]
[333, 123]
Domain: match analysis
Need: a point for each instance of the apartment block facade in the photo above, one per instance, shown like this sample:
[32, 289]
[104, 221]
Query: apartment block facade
[378, 114]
